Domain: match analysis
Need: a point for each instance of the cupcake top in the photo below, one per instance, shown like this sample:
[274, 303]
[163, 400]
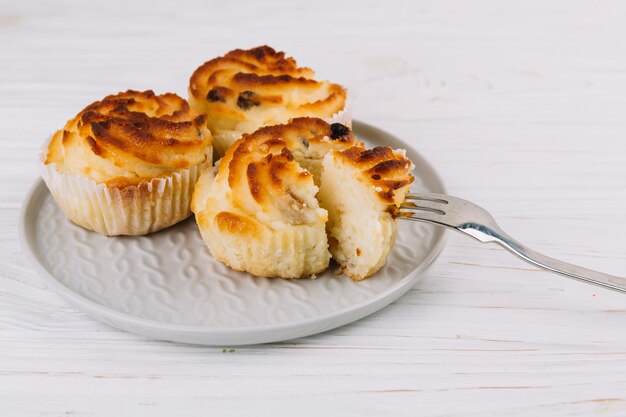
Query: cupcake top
[131, 137]
[269, 174]
[309, 138]
[246, 89]
[383, 169]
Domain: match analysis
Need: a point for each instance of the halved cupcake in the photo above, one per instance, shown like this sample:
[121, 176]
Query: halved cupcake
[361, 190]
[257, 209]
[248, 89]
[127, 164]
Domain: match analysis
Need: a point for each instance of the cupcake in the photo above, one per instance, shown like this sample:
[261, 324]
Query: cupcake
[127, 165]
[361, 189]
[248, 89]
[257, 209]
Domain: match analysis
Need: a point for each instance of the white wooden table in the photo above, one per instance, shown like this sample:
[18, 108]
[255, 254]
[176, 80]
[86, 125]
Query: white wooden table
[521, 106]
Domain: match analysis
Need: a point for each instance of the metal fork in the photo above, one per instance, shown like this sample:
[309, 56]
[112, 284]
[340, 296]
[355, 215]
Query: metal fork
[468, 218]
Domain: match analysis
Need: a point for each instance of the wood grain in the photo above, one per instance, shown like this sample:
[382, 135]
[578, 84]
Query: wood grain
[520, 106]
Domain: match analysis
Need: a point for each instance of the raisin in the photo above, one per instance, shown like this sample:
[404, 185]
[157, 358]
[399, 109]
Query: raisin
[214, 95]
[247, 100]
[287, 154]
[338, 130]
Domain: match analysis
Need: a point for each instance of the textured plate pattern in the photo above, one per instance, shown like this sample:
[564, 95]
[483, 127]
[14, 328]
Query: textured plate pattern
[169, 278]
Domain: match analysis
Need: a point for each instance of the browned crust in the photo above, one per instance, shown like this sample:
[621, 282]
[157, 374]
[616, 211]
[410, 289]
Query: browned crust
[279, 140]
[232, 223]
[263, 164]
[253, 181]
[267, 74]
[141, 127]
[254, 80]
[252, 60]
[312, 128]
[119, 122]
[267, 174]
[381, 168]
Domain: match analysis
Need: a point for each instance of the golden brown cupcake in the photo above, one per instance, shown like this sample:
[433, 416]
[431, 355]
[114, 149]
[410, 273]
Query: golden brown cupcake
[127, 164]
[257, 209]
[248, 89]
[361, 189]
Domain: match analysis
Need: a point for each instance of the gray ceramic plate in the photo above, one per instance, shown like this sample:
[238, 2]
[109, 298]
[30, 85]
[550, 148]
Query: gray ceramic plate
[167, 286]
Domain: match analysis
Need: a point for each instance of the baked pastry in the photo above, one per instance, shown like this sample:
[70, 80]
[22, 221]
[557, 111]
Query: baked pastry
[127, 165]
[248, 89]
[257, 209]
[361, 189]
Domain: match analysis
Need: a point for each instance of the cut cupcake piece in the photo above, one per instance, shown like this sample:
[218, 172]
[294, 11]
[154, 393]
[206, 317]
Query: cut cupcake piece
[260, 209]
[127, 164]
[361, 189]
[273, 227]
[248, 89]
[257, 209]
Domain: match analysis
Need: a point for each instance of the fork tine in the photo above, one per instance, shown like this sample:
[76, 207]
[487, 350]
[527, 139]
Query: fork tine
[422, 214]
[436, 203]
[414, 208]
[437, 198]
[429, 207]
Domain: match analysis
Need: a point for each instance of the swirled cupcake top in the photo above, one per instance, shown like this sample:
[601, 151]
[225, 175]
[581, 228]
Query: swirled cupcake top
[267, 174]
[247, 89]
[131, 136]
[383, 169]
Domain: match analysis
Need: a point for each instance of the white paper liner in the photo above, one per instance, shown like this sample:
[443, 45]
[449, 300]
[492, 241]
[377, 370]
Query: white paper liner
[134, 210]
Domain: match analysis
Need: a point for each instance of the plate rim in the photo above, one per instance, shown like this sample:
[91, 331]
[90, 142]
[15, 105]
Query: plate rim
[333, 319]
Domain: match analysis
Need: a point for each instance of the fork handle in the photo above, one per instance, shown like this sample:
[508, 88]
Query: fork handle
[497, 235]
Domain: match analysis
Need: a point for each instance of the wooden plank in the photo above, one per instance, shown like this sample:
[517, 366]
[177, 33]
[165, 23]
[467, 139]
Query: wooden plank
[520, 106]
